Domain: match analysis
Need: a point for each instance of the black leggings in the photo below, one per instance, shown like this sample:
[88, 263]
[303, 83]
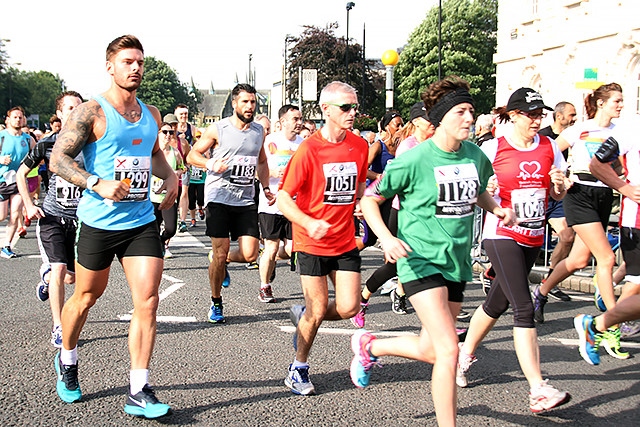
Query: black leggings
[170, 218]
[512, 264]
[196, 195]
[388, 270]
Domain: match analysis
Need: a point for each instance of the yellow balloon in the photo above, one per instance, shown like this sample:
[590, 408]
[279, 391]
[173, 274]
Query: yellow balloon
[390, 57]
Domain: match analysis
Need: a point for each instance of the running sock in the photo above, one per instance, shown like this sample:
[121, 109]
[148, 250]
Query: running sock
[138, 379]
[69, 357]
[216, 300]
[265, 285]
[296, 364]
[364, 301]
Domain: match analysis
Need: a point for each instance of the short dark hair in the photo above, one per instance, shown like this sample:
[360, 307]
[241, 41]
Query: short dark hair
[285, 109]
[64, 94]
[122, 43]
[242, 87]
[54, 119]
[181, 106]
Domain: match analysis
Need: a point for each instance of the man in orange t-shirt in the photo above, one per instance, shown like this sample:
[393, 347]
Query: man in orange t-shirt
[326, 176]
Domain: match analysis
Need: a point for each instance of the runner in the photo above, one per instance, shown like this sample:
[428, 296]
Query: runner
[528, 169]
[592, 331]
[237, 152]
[57, 220]
[275, 228]
[438, 183]
[117, 135]
[326, 176]
[587, 207]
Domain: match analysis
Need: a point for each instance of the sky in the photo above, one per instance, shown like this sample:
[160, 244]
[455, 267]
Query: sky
[207, 41]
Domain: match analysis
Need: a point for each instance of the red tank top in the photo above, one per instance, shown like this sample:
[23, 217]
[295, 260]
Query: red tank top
[524, 182]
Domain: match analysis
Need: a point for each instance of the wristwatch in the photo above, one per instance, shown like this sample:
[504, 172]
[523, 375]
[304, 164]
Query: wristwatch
[91, 181]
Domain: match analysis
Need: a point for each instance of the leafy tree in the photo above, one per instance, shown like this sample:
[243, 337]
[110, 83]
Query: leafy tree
[44, 87]
[468, 44]
[318, 48]
[161, 87]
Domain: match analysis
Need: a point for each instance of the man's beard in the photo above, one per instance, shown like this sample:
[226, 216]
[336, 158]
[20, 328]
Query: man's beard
[244, 119]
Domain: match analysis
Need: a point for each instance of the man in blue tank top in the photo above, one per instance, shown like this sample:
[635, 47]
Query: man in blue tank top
[237, 152]
[117, 135]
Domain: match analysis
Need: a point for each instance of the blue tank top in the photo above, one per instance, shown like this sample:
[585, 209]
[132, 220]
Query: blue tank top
[124, 154]
[381, 160]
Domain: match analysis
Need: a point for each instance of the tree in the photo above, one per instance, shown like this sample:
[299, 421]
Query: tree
[161, 87]
[318, 48]
[468, 45]
[44, 87]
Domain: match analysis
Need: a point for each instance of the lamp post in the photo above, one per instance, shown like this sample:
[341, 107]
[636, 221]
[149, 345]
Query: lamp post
[389, 59]
[440, 40]
[350, 6]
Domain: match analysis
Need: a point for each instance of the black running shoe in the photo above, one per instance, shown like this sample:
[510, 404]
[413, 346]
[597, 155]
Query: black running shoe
[539, 302]
[145, 404]
[556, 293]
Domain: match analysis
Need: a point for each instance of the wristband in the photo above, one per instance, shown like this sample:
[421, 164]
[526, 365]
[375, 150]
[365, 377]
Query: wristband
[266, 189]
[209, 164]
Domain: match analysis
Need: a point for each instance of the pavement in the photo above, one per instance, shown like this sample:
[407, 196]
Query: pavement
[232, 374]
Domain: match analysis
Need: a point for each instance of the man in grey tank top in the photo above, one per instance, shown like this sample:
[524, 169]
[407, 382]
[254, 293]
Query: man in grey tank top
[236, 147]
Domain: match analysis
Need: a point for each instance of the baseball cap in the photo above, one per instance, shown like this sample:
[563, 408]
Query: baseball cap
[170, 118]
[526, 99]
[418, 110]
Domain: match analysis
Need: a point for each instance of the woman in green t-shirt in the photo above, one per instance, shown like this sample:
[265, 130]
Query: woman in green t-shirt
[439, 183]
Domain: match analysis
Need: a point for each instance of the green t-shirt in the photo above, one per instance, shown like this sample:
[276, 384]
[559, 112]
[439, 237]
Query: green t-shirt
[437, 191]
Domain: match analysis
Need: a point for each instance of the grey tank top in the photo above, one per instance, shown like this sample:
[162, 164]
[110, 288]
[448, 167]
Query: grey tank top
[234, 186]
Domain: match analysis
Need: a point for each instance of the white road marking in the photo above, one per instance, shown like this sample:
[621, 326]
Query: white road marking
[574, 343]
[164, 319]
[339, 331]
[176, 284]
[184, 240]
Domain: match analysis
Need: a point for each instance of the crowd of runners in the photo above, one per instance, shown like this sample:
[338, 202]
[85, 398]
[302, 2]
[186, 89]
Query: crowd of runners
[123, 180]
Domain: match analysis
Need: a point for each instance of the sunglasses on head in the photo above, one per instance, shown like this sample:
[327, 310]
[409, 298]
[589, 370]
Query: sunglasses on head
[346, 107]
[168, 132]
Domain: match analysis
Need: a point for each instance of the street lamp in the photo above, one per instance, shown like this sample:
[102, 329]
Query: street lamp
[389, 59]
[350, 6]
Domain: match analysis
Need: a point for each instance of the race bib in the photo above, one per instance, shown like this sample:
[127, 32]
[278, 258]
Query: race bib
[243, 170]
[340, 182]
[196, 173]
[135, 171]
[67, 194]
[458, 187]
[529, 206]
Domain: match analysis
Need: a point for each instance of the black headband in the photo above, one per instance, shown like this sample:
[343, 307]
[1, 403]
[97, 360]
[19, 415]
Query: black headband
[446, 103]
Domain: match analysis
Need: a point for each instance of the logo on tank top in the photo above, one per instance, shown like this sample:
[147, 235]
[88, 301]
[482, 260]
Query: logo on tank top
[530, 170]
[136, 141]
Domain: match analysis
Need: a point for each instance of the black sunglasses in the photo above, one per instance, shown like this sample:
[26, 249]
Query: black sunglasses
[346, 107]
[168, 132]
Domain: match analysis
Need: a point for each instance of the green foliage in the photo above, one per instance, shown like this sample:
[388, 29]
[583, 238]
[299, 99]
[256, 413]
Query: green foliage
[36, 92]
[468, 44]
[162, 88]
[318, 48]
[365, 122]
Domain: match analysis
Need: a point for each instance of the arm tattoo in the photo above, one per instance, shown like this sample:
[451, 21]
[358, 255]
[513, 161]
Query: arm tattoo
[77, 131]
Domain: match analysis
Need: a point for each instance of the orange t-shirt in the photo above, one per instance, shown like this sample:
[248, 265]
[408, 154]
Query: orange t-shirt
[323, 177]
